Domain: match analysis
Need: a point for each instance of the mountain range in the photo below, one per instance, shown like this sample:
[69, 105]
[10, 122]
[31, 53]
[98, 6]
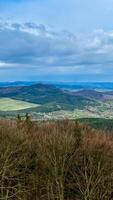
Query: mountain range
[45, 94]
[54, 100]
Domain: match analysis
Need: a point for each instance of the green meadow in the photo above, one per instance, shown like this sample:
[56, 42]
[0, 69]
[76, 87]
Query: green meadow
[8, 104]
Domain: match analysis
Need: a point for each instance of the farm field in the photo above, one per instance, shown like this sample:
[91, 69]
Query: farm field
[8, 104]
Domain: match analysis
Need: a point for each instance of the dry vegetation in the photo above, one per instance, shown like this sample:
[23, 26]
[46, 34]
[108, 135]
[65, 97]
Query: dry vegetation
[54, 161]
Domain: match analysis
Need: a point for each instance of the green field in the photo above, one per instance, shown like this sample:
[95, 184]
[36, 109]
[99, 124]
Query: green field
[8, 104]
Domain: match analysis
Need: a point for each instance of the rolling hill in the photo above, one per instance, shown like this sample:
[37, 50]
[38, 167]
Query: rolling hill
[47, 101]
[44, 94]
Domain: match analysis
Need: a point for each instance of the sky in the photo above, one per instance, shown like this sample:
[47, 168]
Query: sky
[56, 40]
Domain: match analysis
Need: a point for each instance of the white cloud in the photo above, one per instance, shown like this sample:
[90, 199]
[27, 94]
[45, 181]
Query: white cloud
[31, 45]
[4, 64]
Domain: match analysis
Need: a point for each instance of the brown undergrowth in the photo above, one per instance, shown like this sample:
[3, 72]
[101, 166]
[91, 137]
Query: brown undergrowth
[60, 160]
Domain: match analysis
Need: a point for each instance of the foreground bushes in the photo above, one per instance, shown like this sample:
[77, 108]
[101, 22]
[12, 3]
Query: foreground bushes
[54, 161]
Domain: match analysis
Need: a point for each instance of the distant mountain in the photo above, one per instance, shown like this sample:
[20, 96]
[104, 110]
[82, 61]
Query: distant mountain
[45, 94]
[53, 102]
[64, 85]
[85, 86]
[17, 83]
[91, 94]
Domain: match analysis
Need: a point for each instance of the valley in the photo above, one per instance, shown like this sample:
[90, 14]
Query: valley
[49, 102]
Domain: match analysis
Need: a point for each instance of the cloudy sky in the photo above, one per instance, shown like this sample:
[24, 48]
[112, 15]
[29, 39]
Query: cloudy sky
[56, 40]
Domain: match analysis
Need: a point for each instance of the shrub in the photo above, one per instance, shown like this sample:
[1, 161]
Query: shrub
[61, 160]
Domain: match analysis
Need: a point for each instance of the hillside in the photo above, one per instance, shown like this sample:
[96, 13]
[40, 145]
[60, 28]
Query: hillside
[43, 94]
[45, 101]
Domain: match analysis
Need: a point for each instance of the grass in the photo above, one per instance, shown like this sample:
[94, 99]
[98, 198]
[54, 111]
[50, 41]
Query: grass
[8, 104]
[61, 160]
